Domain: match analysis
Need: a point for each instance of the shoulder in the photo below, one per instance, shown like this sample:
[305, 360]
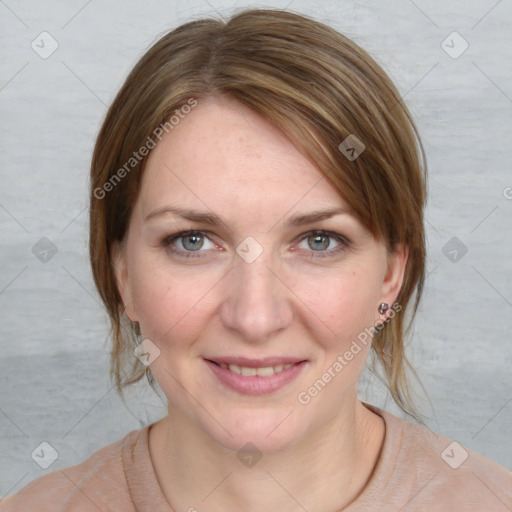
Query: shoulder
[439, 470]
[96, 484]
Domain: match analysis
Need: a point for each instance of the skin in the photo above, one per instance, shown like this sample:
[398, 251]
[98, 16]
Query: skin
[300, 298]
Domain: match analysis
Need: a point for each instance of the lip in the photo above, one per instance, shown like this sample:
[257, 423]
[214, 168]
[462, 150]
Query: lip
[256, 385]
[255, 363]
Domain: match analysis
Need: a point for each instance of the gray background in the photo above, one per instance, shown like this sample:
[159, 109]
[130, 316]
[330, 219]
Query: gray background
[54, 383]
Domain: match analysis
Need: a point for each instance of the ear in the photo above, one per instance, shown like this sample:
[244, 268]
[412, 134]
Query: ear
[118, 255]
[392, 283]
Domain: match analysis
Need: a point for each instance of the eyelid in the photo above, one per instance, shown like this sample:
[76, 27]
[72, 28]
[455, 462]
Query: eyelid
[326, 232]
[168, 241]
[344, 242]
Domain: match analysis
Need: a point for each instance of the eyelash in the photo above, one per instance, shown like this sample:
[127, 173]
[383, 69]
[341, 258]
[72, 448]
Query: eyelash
[342, 240]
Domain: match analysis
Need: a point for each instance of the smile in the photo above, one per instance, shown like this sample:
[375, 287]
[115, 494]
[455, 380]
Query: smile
[255, 380]
[264, 371]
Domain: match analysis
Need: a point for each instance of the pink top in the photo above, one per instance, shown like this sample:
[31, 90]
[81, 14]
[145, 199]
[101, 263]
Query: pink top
[417, 470]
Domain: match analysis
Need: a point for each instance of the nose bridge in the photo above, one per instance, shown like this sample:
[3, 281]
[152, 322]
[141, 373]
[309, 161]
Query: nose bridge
[256, 305]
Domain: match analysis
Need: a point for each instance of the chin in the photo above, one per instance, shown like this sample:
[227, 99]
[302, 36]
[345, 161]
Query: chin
[266, 430]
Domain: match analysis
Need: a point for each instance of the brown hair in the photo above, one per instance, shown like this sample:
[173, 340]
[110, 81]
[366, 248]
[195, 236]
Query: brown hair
[317, 86]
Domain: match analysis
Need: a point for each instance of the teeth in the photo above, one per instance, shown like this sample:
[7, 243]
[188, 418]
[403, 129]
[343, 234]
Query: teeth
[266, 371]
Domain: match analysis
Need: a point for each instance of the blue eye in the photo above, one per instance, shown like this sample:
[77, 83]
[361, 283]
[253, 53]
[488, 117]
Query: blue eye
[193, 243]
[321, 242]
[188, 243]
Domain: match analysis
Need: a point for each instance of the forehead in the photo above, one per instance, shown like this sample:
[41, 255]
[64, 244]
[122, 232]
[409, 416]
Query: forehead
[227, 157]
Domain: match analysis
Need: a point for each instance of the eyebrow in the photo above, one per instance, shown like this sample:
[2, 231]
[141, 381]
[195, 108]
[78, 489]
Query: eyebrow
[214, 220]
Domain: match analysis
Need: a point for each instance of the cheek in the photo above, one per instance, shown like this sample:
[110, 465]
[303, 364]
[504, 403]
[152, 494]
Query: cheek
[170, 302]
[343, 301]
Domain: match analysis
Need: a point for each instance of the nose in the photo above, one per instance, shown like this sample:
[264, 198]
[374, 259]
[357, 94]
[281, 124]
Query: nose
[257, 302]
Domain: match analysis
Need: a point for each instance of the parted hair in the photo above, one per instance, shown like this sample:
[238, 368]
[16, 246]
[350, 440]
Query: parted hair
[319, 88]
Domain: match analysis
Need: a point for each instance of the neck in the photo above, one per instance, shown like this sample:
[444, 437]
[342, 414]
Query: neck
[324, 471]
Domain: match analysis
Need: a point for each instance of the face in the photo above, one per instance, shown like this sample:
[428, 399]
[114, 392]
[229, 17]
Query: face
[227, 270]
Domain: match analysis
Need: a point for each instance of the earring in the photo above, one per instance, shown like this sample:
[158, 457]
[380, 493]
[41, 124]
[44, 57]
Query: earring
[383, 308]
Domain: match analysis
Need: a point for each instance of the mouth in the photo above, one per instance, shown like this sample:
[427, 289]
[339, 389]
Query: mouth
[255, 376]
[251, 371]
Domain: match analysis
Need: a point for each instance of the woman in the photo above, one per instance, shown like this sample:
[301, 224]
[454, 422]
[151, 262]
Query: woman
[257, 195]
